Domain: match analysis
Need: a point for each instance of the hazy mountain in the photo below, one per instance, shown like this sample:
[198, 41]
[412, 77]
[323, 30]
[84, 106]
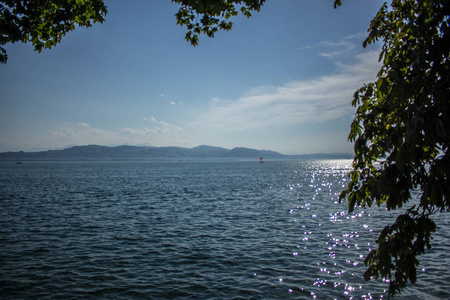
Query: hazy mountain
[246, 152]
[95, 152]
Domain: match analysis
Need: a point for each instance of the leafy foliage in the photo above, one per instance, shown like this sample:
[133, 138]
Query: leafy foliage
[45, 22]
[401, 133]
[208, 16]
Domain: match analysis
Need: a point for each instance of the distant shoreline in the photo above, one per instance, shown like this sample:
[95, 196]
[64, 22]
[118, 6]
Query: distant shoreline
[143, 153]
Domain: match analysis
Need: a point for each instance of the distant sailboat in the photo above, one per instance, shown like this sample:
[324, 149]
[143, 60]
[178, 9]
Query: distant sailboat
[260, 160]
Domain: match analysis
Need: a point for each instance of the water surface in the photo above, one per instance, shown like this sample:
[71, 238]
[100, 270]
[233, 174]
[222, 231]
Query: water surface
[198, 230]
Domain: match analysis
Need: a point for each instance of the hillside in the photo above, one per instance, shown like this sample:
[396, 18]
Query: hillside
[95, 152]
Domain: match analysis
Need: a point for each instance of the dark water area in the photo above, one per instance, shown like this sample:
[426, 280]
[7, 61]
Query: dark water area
[193, 230]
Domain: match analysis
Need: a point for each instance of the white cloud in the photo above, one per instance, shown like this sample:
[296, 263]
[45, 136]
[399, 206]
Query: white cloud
[162, 125]
[168, 126]
[82, 124]
[160, 133]
[319, 100]
[79, 136]
[149, 131]
[137, 131]
[337, 48]
[62, 132]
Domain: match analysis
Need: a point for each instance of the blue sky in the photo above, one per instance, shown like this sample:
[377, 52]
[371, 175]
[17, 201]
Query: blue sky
[282, 80]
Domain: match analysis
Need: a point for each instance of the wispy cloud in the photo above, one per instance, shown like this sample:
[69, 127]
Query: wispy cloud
[164, 126]
[312, 101]
[338, 47]
[80, 136]
[158, 127]
[63, 132]
[155, 132]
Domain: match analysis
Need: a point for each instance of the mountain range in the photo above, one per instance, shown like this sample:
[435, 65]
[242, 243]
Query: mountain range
[96, 152]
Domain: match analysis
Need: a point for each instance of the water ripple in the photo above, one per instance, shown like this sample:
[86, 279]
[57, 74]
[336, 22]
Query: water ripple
[217, 230]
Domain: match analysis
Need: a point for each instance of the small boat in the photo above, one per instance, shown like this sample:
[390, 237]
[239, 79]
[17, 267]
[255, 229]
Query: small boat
[18, 162]
[260, 160]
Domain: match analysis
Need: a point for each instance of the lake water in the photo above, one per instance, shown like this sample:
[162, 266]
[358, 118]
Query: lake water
[198, 230]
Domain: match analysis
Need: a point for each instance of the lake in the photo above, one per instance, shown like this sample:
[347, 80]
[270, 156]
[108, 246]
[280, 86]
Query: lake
[194, 230]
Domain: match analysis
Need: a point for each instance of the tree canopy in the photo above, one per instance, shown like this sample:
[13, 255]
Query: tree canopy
[208, 16]
[45, 22]
[401, 134]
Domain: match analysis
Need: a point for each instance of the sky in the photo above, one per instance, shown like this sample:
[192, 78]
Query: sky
[282, 80]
